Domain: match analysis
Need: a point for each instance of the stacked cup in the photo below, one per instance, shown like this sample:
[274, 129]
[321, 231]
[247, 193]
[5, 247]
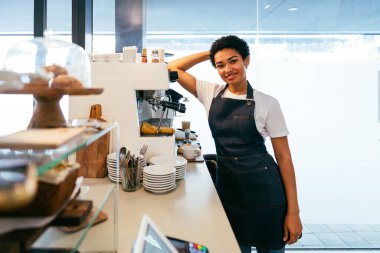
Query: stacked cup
[129, 54]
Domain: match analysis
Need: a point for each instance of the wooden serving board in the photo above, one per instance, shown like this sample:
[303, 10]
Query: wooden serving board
[39, 138]
[54, 91]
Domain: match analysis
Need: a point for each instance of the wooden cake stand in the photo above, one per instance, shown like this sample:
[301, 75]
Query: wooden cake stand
[48, 112]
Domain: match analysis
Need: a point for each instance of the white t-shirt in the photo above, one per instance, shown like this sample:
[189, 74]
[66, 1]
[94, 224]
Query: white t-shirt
[268, 115]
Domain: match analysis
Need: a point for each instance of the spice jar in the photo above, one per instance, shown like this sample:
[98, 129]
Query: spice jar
[161, 54]
[155, 57]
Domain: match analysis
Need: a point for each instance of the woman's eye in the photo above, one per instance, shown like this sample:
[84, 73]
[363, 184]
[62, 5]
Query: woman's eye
[219, 66]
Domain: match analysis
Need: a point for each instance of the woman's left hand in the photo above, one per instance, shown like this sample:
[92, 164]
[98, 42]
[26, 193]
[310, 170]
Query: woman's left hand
[292, 228]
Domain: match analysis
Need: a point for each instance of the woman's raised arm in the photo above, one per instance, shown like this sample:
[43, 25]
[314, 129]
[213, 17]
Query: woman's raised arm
[181, 65]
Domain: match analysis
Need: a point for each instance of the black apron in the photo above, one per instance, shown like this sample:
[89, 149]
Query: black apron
[248, 179]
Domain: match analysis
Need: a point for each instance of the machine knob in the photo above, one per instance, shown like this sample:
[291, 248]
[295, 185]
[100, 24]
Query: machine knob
[173, 76]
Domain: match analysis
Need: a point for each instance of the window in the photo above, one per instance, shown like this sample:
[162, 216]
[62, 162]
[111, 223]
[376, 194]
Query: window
[320, 59]
[16, 24]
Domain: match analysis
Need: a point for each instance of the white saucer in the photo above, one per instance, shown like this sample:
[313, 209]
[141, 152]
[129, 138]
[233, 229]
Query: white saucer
[158, 186]
[176, 161]
[159, 170]
[160, 191]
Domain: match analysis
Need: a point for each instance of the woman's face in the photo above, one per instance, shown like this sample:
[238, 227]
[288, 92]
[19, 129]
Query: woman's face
[231, 66]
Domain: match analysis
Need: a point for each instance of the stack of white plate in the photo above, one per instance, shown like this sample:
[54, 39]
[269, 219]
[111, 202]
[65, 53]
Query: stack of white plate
[178, 162]
[159, 179]
[112, 167]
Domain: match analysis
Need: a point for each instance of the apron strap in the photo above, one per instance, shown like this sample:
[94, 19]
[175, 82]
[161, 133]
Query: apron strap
[222, 91]
[249, 92]
[250, 99]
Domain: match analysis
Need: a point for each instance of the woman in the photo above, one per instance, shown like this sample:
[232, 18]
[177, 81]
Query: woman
[258, 194]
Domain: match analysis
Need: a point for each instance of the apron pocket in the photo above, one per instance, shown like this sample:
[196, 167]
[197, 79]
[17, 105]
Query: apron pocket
[250, 182]
[260, 187]
[243, 128]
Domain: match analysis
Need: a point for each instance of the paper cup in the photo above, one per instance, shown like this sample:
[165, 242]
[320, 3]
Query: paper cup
[185, 125]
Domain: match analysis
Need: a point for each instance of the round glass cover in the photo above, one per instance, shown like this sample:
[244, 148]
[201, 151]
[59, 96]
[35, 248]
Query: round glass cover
[50, 57]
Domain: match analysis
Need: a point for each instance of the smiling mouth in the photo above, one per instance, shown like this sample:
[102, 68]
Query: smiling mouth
[232, 76]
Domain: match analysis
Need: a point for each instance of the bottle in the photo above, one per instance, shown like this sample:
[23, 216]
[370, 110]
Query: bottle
[144, 56]
[161, 54]
[155, 57]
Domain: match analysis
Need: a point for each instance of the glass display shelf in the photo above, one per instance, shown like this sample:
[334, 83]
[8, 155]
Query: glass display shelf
[99, 238]
[45, 159]
[103, 194]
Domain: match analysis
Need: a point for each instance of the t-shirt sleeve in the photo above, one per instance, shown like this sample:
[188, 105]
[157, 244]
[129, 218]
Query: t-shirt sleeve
[275, 123]
[206, 91]
[202, 90]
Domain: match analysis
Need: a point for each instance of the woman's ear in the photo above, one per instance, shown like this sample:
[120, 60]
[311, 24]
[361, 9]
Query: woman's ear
[247, 61]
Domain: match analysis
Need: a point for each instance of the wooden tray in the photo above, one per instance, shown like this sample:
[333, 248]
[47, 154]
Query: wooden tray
[49, 138]
[53, 91]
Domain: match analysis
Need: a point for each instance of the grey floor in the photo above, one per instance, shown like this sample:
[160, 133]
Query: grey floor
[354, 238]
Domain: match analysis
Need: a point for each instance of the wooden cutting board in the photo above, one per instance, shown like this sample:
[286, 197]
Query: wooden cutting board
[39, 138]
[93, 158]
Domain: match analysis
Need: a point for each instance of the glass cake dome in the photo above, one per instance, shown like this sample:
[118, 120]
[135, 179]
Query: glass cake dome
[49, 57]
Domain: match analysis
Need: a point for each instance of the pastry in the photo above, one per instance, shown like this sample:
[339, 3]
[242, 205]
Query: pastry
[147, 128]
[56, 70]
[167, 130]
[66, 82]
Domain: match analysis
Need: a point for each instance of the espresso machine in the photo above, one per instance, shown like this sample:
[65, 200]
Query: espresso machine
[134, 93]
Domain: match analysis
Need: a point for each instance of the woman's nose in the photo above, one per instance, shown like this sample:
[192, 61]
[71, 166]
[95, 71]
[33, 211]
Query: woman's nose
[227, 68]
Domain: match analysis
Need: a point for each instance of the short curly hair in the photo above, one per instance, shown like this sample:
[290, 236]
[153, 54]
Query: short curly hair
[230, 41]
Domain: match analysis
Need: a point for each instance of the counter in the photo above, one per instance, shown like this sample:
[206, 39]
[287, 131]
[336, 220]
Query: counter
[192, 212]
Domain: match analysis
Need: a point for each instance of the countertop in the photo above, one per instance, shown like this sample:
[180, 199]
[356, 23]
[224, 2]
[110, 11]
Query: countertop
[192, 211]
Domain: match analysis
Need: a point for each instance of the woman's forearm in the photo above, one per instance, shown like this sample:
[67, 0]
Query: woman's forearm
[189, 61]
[289, 179]
[284, 160]
[181, 65]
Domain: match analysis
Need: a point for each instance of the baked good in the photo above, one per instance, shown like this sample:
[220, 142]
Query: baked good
[147, 128]
[167, 130]
[66, 82]
[56, 70]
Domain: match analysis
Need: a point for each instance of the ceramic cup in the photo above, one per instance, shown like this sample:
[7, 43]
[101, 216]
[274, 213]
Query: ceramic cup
[129, 54]
[99, 57]
[190, 152]
[116, 57]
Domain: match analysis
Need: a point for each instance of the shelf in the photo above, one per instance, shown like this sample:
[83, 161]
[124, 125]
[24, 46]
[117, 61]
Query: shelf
[99, 238]
[48, 158]
[101, 196]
